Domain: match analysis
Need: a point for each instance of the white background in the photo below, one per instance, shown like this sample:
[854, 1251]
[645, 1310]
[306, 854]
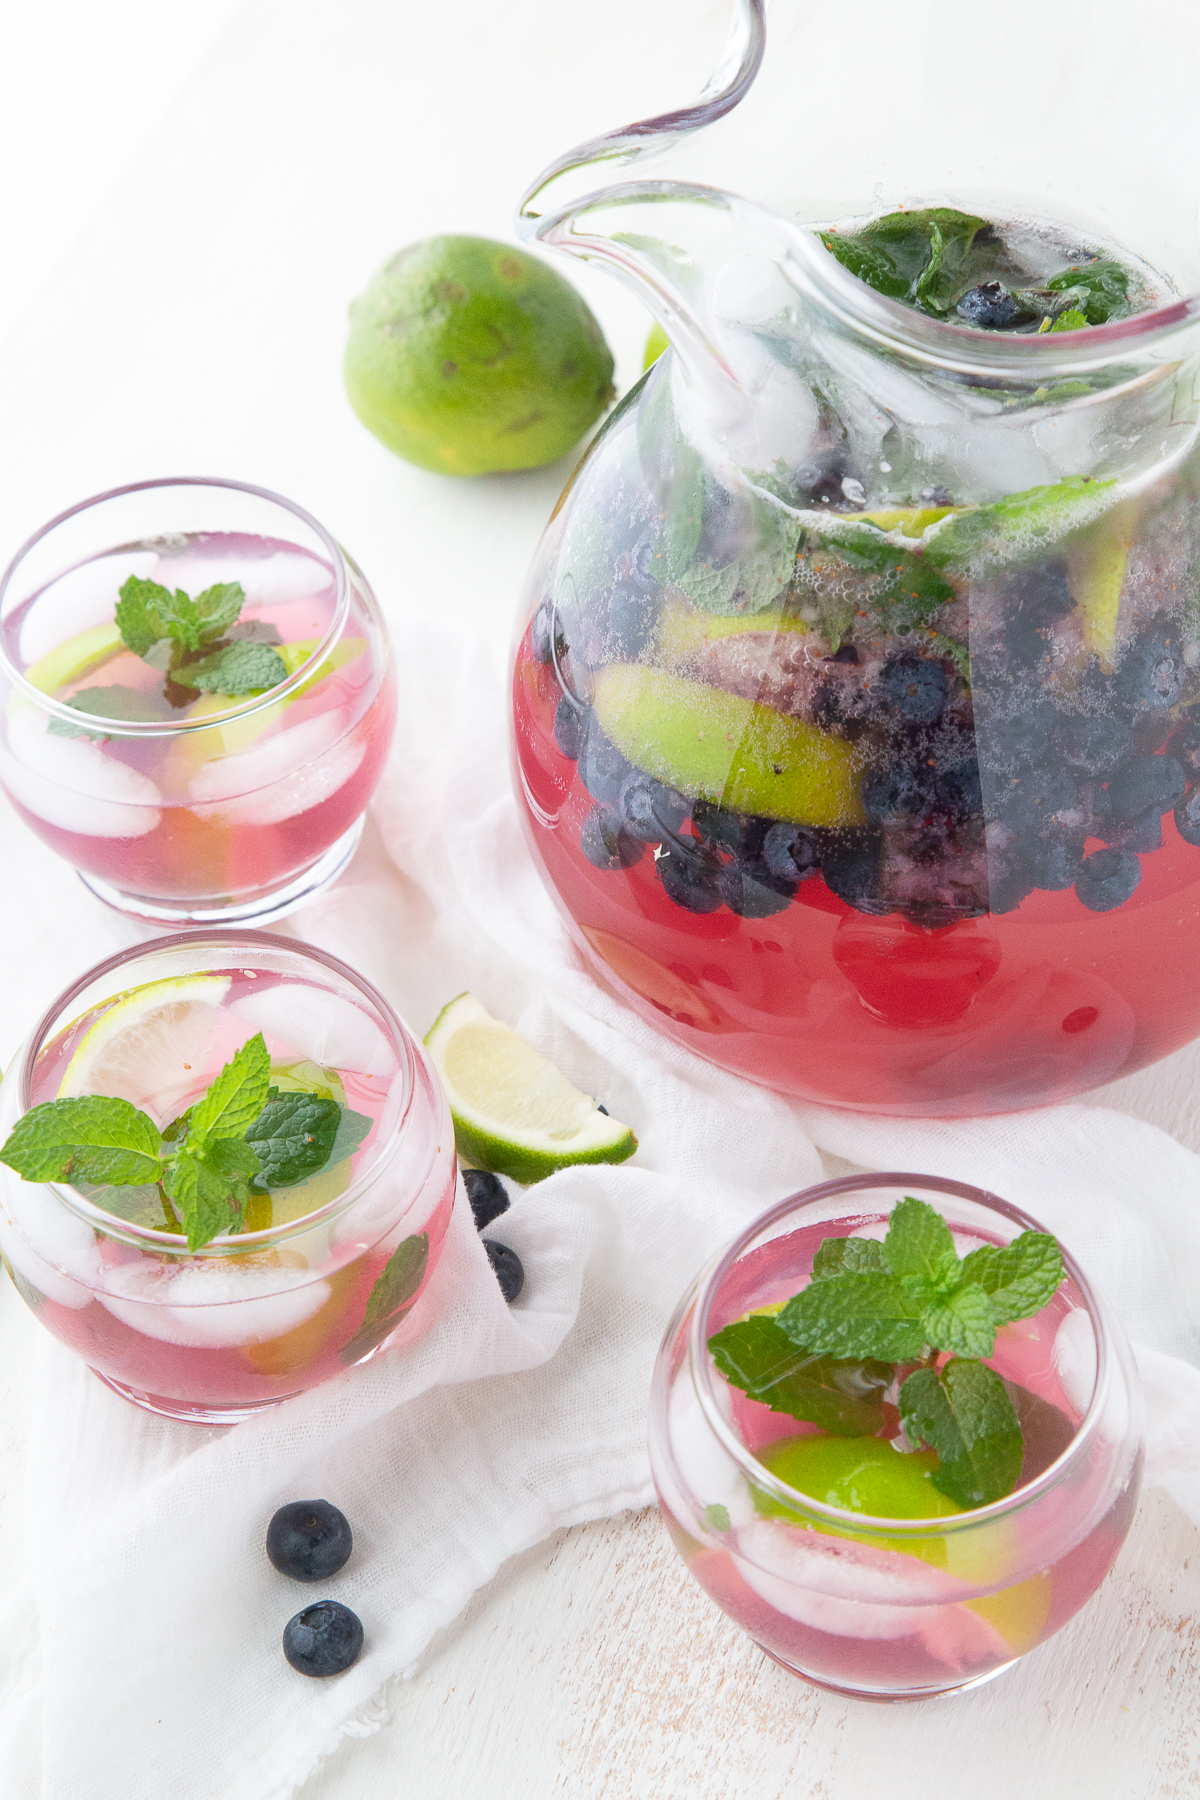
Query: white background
[190, 195]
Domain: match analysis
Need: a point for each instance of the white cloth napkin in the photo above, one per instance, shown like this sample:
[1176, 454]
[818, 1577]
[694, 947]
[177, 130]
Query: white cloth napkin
[141, 1660]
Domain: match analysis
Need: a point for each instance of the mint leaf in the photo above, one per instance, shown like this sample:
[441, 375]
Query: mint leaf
[209, 1185]
[848, 1253]
[1100, 290]
[963, 1322]
[116, 702]
[922, 257]
[93, 1138]
[963, 1412]
[845, 1397]
[1071, 320]
[217, 609]
[237, 1095]
[242, 667]
[147, 612]
[392, 1294]
[294, 1136]
[855, 1314]
[918, 1242]
[1019, 1279]
[716, 1518]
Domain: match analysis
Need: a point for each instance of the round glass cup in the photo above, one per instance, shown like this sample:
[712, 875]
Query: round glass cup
[177, 804]
[883, 1608]
[251, 1318]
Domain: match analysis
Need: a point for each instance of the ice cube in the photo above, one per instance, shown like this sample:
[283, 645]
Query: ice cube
[54, 1250]
[1074, 1359]
[71, 783]
[840, 1585]
[212, 1305]
[284, 576]
[320, 1025]
[82, 598]
[280, 777]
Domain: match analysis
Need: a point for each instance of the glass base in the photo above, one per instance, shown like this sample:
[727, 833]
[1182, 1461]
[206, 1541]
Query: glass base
[884, 1695]
[200, 1414]
[256, 909]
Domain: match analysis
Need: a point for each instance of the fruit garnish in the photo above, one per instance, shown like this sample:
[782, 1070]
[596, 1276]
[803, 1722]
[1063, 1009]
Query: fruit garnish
[310, 1540]
[323, 1639]
[469, 357]
[719, 746]
[858, 1474]
[656, 342]
[240, 1138]
[513, 1111]
[190, 638]
[893, 1308]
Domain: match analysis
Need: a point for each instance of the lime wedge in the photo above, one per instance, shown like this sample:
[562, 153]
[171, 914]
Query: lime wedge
[74, 658]
[151, 1043]
[512, 1110]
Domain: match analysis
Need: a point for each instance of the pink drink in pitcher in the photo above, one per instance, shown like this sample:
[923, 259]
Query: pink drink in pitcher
[220, 776]
[871, 1580]
[318, 1271]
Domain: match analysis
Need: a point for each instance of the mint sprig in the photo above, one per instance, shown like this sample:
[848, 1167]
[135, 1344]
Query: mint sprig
[200, 656]
[241, 1136]
[885, 1306]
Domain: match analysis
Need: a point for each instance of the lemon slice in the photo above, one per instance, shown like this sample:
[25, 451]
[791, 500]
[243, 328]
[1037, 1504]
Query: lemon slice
[513, 1111]
[152, 1043]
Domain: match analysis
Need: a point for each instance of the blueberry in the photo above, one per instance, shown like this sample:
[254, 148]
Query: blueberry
[915, 688]
[789, 852]
[1094, 744]
[649, 810]
[991, 307]
[1187, 818]
[1151, 674]
[506, 1265]
[1034, 599]
[486, 1193]
[632, 616]
[1022, 737]
[850, 868]
[1035, 797]
[899, 792]
[324, 1639]
[1142, 783]
[1055, 864]
[642, 561]
[546, 633]
[1107, 879]
[570, 725]
[310, 1540]
[691, 880]
[742, 834]
[845, 653]
[601, 765]
[752, 892]
[606, 844]
[1010, 880]
[1143, 832]
[958, 789]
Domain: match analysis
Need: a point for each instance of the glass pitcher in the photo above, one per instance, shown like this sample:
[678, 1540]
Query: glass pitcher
[857, 690]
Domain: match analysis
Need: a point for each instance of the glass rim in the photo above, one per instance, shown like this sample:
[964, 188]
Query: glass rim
[150, 728]
[701, 1369]
[226, 1243]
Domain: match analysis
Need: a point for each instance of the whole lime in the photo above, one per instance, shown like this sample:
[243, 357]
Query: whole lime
[469, 357]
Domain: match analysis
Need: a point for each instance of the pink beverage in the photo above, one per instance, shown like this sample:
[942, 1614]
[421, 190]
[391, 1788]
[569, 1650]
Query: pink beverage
[322, 1271]
[177, 802]
[870, 1604]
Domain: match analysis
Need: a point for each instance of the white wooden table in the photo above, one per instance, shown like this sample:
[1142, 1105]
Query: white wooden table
[229, 210]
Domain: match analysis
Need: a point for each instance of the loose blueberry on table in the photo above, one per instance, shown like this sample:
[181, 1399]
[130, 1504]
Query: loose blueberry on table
[324, 1639]
[310, 1540]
